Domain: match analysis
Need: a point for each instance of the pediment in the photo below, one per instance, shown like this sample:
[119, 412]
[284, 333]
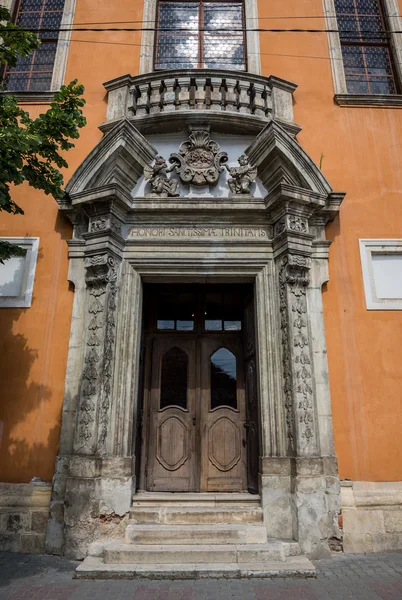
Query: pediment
[281, 159]
[119, 158]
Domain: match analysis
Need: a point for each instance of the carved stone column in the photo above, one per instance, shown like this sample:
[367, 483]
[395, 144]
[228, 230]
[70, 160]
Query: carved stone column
[94, 406]
[297, 355]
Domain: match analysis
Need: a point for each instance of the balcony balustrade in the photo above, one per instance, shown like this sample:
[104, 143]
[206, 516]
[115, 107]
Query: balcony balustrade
[160, 97]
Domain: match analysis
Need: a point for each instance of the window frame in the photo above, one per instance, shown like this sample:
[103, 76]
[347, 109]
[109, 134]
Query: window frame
[252, 45]
[368, 247]
[24, 300]
[60, 61]
[390, 8]
[200, 33]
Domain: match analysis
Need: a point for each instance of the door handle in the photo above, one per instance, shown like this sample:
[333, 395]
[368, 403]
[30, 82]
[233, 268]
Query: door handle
[194, 421]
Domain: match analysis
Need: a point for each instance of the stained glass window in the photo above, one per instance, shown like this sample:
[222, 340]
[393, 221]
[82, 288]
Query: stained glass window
[203, 34]
[34, 73]
[365, 46]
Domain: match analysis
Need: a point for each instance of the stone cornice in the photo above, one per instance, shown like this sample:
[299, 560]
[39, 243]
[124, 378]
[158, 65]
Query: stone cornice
[118, 158]
[279, 157]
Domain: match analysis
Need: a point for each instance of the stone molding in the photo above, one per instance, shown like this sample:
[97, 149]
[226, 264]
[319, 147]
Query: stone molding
[119, 158]
[27, 277]
[373, 100]
[371, 516]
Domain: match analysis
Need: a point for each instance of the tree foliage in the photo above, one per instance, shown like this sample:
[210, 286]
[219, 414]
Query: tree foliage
[32, 150]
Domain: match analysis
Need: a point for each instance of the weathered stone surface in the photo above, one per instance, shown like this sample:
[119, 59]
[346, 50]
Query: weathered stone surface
[393, 521]
[33, 543]
[372, 516]
[39, 521]
[24, 512]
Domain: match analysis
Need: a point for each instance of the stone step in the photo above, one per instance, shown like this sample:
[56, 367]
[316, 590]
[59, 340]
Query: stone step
[96, 568]
[120, 553]
[199, 499]
[196, 534]
[166, 515]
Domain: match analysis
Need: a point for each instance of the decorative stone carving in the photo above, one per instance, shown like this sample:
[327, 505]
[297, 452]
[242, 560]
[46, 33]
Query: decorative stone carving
[297, 224]
[241, 177]
[199, 160]
[108, 354]
[161, 185]
[99, 224]
[297, 360]
[104, 223]
[291, 223]
[101, 280]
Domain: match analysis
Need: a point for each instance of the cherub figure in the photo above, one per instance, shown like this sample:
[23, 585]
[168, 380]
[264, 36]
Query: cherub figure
[241, 177]
[161, 185]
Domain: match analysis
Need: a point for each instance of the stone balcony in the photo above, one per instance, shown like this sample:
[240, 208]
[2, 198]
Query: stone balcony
[156, 102]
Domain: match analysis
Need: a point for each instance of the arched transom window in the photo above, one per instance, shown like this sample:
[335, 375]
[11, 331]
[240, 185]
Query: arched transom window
[204, 34]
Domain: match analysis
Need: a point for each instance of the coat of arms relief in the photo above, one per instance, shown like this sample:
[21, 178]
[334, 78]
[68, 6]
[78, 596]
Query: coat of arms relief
[199, 162]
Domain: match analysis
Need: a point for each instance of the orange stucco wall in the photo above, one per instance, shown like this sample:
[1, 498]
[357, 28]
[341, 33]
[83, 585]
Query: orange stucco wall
[34, 341]
[361, 148]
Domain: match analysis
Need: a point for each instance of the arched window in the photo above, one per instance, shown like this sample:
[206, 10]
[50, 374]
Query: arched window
[34, 73]
[223, 379]
[204, 34]
[174, 378]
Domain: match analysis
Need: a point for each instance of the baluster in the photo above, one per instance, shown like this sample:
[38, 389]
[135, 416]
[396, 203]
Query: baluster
[155, 101]
[184, 93]
[132, 101]
[169, 95]
[258, 107]
[243, 88]
[231, 95]
[216, 93]
[143, 100]
[267, 97]
[199, 94]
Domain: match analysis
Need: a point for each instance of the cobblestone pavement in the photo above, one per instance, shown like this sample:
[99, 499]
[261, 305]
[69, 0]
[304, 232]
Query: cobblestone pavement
[26, 577]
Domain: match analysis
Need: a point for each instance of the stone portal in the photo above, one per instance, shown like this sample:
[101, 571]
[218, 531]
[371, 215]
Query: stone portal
[246, 410]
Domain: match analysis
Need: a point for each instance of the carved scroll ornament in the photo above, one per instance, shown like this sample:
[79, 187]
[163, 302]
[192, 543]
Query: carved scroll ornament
[199, 160]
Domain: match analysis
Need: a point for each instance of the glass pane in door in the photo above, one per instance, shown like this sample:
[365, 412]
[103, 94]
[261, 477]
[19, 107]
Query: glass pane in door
[223, 379]
[174, 379]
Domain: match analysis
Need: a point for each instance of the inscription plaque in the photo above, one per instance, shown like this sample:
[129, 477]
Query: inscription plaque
[198, 232]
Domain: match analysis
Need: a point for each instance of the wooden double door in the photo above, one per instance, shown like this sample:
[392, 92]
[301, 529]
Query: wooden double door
[196, 425]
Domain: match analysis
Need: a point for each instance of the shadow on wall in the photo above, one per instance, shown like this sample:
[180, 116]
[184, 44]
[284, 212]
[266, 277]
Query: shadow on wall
[29, 435]
[22, 403]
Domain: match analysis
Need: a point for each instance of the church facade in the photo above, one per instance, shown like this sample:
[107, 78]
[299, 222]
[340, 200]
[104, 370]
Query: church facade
[200, 341]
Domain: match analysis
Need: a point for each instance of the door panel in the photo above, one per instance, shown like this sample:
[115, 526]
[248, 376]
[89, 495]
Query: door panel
[172, 465]
[222, 414]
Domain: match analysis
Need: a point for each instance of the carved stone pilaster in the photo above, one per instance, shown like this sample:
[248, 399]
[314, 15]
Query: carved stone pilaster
[297, 355]
[101, 281]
